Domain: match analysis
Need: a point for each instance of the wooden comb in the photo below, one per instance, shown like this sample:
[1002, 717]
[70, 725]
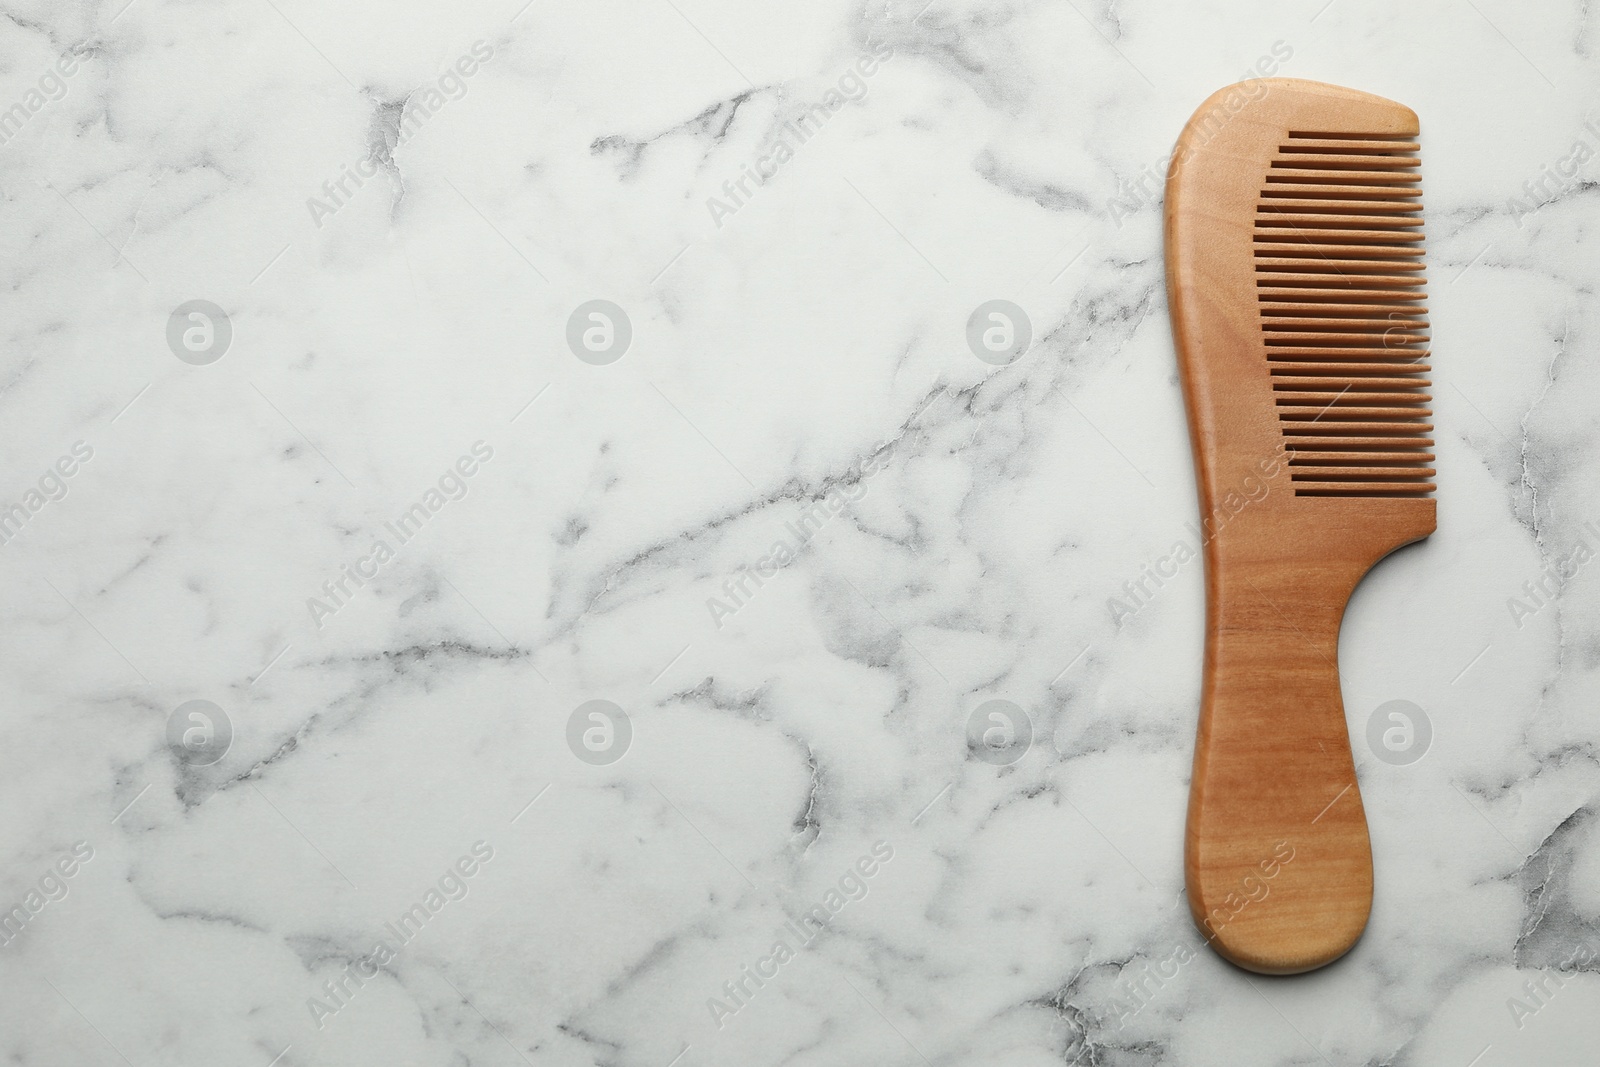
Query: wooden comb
[1295, 280]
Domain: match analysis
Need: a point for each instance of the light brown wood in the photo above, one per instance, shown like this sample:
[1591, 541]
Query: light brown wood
[1294, 277]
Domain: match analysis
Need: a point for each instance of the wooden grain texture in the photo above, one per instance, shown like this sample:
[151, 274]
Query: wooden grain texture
[1294, 274]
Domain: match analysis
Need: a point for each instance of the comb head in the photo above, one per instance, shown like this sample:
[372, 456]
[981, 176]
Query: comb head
[1339, 281]
[1295, 277]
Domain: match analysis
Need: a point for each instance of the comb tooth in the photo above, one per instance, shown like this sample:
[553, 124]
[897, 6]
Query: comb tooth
[1347, 145]
[1362, 373]
[1301, 136]
[1340, 420]
[1356, 196]
[1391, 299]
[1298, 385]
[1347, 315]
[1401, 287]
[1339, 244]
[1356, 392]
[1306, 458]
[1274, 223]
[1338, 403]
[1272, 203]
[1297, 443]
[1354, 329]
[1301, 264]
[1359, 359]
[1369, 344]
[1349, 220]
[1313, 428]
[1296, 246]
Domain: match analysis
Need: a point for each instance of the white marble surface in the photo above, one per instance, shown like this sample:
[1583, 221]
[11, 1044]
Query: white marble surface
[778, 344]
